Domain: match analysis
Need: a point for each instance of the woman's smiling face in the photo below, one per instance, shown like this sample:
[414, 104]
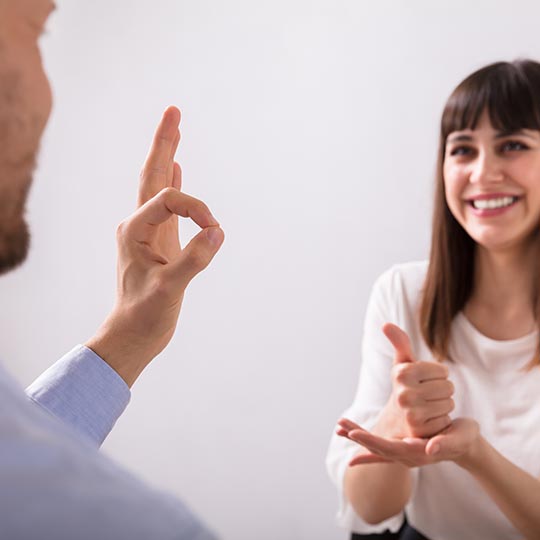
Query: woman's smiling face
[492, 183]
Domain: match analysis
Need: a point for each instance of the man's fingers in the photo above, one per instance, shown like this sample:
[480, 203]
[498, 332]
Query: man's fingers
[196, 256]
[177, 176]
[154, 173]
[171, 163]
[175, 144]
[169, 201]
[400, 342]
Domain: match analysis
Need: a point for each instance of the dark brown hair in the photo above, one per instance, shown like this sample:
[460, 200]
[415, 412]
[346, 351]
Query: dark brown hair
[510, 92]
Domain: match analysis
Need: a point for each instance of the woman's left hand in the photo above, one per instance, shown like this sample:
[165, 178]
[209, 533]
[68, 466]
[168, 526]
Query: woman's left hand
[455, 443]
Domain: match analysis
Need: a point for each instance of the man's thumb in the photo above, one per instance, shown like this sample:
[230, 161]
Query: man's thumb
[400, 342]
[196, 256]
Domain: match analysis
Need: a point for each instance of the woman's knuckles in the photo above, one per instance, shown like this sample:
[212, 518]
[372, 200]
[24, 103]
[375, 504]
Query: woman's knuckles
[414, 416]
[406, 397]
[404, 373]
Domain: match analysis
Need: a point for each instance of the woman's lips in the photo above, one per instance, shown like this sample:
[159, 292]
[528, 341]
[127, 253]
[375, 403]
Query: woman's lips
[491, 212]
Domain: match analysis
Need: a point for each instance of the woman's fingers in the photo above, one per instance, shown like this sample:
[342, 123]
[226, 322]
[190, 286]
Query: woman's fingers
[454, 440]
[437, 389]
[409, 451]
[434, 425]
[374, 443]
[400, 341]
[420, 372]
[348, 424]
[157, 164]
[435, 409]
[362, 459]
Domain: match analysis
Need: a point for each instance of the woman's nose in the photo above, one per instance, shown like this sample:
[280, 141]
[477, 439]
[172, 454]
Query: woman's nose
[486, 169]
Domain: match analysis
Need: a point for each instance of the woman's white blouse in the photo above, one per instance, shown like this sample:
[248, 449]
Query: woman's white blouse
[491, 386]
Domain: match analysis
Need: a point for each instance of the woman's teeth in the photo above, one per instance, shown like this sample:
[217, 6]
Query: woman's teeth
[484, 204]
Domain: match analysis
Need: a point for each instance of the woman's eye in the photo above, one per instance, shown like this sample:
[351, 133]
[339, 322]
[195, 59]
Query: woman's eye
[513, 145]
[460, 151]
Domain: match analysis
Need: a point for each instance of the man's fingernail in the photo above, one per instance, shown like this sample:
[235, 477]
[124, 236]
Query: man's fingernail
[435, 449]
[215, 235]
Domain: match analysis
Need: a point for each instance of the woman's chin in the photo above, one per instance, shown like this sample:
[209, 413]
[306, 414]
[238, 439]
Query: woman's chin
[497, 242]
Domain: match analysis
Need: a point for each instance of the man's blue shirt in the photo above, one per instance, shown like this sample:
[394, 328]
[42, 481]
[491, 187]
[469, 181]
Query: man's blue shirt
[54, 483]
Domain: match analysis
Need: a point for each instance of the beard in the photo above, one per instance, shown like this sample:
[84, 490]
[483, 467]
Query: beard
[21, 126]
[14, 246]
[14, 231]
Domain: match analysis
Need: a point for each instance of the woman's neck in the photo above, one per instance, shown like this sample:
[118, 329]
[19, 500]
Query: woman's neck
[501, 305]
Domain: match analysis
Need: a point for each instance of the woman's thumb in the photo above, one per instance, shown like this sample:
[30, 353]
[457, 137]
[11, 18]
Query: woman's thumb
[400, 341]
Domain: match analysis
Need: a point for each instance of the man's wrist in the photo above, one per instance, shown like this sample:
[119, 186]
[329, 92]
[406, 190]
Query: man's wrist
[120, 349]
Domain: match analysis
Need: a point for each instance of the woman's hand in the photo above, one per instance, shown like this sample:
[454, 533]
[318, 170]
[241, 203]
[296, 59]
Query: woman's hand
[153, 269]
[457, 442]
[421, 398]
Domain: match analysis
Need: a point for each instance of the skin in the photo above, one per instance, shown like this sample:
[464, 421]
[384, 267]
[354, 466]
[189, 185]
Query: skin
[485, 161]
[477, 162]
[419, 406]
[153, 268]
[25, 105]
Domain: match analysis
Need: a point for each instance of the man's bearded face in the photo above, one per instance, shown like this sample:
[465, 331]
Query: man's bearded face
[25, 105]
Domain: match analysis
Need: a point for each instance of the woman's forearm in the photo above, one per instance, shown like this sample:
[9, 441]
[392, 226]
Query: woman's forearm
[378, 491]
[516, 492]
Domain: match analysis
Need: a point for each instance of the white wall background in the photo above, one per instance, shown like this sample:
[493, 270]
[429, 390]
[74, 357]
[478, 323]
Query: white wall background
[309, 127]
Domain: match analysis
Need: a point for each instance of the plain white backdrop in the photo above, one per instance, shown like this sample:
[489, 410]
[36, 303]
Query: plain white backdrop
[310, 129]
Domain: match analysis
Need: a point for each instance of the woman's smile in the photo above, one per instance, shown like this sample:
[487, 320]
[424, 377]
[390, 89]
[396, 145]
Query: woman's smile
[485, 206]
[492, 183]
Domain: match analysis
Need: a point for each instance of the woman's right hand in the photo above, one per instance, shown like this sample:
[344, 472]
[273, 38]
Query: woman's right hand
[421, 398]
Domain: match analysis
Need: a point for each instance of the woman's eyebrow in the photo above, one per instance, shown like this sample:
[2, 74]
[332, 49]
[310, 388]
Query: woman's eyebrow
[498, 135]
[510, 132]
[458, 138]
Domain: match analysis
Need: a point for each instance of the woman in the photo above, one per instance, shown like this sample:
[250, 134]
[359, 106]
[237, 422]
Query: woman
[449, 407]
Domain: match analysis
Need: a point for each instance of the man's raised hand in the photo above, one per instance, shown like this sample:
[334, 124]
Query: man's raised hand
[153, 268]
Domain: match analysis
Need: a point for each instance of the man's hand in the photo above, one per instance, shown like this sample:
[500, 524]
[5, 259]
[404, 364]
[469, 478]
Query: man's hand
[153, 269]
[421, 398]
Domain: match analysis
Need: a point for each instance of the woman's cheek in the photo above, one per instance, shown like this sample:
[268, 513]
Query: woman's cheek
[453, 191]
